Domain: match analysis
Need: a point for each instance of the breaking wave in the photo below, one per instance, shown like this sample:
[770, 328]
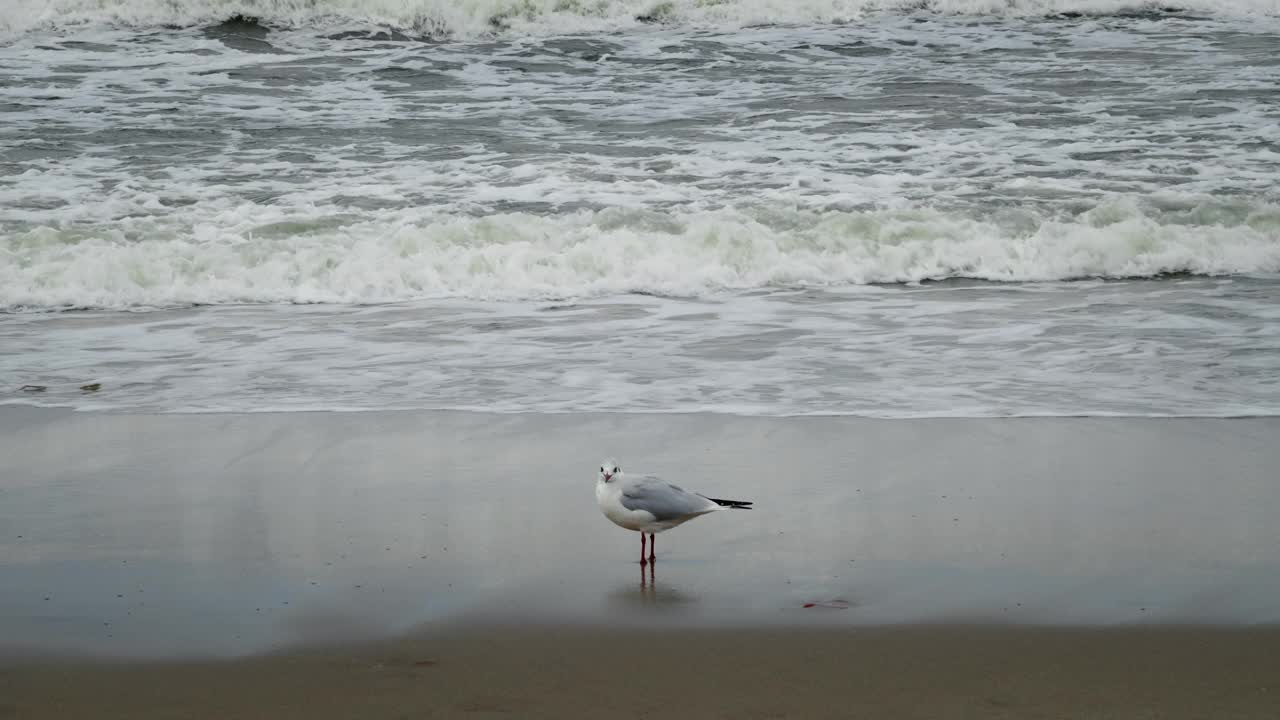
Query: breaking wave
[244, 255]
[436, 18]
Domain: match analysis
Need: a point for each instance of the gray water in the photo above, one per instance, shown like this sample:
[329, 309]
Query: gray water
[886, 213]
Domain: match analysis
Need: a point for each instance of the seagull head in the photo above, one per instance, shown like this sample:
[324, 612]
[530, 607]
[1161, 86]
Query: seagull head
[609, 470]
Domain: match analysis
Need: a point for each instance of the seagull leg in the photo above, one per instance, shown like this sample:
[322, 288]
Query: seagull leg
[653, 543]
[642, 557]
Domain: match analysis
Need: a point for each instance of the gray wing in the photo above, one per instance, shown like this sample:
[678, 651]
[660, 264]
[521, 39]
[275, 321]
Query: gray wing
[662, 499]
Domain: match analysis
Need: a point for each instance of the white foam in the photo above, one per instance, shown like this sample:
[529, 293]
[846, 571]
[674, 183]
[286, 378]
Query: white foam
[479, 17]
[256, 254]
[448, 185]
[720, 177]
[1190, 347]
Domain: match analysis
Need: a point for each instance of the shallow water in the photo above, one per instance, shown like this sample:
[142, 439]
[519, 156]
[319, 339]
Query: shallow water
[1176, 347]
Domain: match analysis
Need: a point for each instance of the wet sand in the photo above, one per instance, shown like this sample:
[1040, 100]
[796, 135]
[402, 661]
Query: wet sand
[926, 672]
[450, 564]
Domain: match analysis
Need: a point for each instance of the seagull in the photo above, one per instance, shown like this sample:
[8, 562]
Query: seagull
[649, 504]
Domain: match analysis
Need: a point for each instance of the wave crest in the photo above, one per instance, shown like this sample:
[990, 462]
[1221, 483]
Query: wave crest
[240, 258]
[435, 18]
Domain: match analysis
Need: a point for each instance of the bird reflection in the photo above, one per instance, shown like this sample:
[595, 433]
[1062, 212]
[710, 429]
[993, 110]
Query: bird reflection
[648, 591]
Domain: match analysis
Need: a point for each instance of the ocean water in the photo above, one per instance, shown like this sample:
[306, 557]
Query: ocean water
[891, 209]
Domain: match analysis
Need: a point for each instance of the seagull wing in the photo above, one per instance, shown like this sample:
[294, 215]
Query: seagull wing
[662, 499]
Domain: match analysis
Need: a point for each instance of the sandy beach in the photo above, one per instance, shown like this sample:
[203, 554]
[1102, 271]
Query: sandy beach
[925, 672]
[438, 564]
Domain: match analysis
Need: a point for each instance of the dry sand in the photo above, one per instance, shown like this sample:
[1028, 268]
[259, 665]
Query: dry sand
[925, 672]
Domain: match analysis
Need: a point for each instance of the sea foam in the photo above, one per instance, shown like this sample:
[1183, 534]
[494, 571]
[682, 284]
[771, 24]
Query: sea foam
[481, 17]
[256, 254]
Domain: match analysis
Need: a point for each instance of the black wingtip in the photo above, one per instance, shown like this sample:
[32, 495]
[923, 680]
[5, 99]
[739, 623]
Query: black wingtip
[735, 504]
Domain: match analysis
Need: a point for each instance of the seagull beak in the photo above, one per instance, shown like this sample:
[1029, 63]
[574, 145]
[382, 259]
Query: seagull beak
[608, 477]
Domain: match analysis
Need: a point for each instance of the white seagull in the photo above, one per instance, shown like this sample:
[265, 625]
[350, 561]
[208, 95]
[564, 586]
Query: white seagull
[649, 504]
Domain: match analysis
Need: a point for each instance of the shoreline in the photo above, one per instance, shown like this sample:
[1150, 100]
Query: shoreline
[1082, 415]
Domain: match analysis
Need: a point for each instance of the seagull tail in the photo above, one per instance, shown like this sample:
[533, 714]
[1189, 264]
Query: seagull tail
[735, 504]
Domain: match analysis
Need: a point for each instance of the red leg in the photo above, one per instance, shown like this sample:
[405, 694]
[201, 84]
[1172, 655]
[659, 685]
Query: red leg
[642, 558]
[653, 543]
